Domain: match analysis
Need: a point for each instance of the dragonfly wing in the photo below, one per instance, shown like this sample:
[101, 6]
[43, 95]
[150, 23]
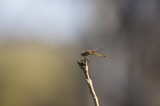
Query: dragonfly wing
[98, 48]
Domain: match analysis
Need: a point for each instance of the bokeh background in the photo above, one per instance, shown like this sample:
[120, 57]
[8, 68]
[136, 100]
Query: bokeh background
[37, 37]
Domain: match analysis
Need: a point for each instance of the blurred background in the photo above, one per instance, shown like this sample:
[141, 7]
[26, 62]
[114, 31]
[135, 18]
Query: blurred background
[37, 37]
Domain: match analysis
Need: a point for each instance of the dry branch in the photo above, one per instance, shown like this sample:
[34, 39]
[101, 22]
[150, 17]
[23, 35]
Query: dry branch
[84, 66]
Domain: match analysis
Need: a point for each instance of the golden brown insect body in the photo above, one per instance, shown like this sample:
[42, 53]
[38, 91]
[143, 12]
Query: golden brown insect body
[91, 52]
[86, 53]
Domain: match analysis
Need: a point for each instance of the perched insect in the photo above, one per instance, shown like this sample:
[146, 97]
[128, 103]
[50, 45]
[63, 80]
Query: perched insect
[92, 52]
[86, 53]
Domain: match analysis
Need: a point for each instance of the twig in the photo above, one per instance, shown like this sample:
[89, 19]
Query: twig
[84, 66]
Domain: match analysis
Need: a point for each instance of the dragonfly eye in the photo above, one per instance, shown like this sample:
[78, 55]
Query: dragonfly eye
[82, 53]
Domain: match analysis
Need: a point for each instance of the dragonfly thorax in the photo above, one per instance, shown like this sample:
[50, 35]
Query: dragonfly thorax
[87, 52]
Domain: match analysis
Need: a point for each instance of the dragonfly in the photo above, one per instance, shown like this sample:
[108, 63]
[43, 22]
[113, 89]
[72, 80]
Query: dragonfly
[86, 53]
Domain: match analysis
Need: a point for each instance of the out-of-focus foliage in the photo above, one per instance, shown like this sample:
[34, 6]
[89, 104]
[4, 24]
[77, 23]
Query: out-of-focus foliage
[33, 74]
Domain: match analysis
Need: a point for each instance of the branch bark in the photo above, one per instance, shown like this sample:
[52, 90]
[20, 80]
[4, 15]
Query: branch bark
[84, 66]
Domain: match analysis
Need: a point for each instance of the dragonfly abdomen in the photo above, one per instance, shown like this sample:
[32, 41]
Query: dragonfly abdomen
[99, 55]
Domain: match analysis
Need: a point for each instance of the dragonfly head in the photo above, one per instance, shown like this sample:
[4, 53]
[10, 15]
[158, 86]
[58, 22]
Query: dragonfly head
[86, 53]
[83, 53]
